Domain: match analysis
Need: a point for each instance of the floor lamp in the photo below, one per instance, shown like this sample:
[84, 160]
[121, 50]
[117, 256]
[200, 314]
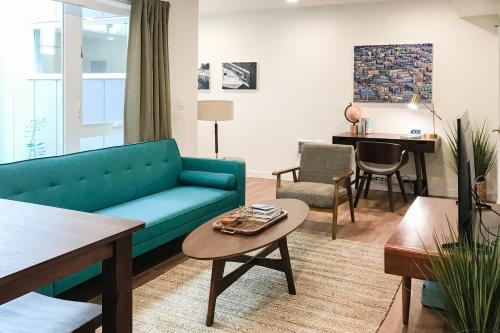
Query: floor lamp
[216, 111]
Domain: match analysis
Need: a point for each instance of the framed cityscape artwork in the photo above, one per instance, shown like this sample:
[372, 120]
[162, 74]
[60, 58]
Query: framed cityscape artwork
[204, 76]
[239, 75]
[392, 73]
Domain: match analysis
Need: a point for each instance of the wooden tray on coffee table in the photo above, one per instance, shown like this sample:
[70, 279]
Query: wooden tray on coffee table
[250, 227]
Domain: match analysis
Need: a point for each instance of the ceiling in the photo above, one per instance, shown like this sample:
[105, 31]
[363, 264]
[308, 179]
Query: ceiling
[208, 7]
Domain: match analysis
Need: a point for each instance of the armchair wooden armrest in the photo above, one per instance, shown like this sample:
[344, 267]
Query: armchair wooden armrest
[346, 174]
[278, 174]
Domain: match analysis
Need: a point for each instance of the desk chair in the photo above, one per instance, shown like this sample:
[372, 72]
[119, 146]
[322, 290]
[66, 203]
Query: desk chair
[380, 158]
[324, 180]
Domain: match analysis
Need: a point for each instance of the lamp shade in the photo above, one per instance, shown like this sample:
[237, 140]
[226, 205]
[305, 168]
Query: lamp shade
[215, 110]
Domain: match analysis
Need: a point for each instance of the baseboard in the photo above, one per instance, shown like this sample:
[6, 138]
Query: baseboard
[267, 175]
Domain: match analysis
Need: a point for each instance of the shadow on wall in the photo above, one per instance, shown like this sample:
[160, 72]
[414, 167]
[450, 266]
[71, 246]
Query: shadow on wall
[488, 23]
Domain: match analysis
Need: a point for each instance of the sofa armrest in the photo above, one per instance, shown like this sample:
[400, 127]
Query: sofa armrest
[236, 168]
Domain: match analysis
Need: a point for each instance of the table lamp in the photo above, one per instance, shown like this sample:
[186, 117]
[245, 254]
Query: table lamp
[216, 111]
[417, 99]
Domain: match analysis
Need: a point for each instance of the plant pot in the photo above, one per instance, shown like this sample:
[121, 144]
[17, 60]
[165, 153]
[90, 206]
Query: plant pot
[481, 190]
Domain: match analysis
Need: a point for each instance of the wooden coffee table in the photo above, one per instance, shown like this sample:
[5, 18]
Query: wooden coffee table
[205, 243]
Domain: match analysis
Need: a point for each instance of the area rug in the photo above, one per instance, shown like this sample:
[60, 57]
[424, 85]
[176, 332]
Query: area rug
[341, 287]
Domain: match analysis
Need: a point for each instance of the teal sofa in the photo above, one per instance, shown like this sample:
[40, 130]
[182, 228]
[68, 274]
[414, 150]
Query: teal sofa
[149, 182]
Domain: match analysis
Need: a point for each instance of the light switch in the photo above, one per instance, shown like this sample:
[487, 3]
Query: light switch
[180, 104]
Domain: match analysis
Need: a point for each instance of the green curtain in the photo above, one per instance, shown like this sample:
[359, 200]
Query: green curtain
[147, 90]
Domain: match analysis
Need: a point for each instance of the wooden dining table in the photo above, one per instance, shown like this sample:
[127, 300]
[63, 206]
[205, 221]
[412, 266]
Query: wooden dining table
[42, 244]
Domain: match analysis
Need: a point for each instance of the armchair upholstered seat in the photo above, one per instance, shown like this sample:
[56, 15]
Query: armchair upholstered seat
[314, 194]
[324, 179]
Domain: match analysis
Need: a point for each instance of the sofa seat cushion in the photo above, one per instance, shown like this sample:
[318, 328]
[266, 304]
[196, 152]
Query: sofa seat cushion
[224, 181]
[317, 195]
[167, 210]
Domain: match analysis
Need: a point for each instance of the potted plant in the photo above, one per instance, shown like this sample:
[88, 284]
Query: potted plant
[468, 278]
[484, 154]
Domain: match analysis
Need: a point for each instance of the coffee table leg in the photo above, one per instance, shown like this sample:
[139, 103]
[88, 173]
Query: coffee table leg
[217, 275]
[285, 259]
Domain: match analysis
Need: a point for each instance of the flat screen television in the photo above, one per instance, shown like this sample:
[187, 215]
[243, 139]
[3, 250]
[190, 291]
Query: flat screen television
[466, 178]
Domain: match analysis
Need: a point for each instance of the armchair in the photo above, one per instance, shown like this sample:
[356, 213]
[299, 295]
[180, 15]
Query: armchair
[323, 180]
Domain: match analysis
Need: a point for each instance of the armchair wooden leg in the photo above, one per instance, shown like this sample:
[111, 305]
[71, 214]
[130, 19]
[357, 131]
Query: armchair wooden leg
[368, 181]
[335, 212]
[401, 185]
[360, 189]
[389, 189]
[351, 204]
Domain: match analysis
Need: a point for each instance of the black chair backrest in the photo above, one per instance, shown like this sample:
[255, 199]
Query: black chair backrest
[378, 152]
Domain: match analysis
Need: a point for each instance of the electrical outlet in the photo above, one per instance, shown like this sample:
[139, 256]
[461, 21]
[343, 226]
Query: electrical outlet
[379, 183]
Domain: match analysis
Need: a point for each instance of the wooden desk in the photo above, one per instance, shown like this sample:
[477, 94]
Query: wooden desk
[417, 146]
[41, 244]
[405, 251]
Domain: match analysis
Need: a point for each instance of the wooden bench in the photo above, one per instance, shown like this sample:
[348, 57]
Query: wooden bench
[38, 313]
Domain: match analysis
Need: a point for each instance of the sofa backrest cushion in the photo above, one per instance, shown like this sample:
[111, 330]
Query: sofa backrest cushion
[93, 180]
[223, 181]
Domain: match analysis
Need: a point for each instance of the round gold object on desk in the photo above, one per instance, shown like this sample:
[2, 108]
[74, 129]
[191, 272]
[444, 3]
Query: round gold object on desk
[354, 129]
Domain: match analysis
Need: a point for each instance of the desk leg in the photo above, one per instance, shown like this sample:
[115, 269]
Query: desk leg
[418, 172]
[423, 166]
[406, 297]
[117, 288]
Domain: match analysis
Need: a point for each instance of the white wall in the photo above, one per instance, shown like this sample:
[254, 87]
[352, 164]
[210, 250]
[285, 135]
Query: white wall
[183, 49]
[305, 77]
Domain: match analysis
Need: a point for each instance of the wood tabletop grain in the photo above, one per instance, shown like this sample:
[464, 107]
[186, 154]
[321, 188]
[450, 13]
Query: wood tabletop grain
[32, 234]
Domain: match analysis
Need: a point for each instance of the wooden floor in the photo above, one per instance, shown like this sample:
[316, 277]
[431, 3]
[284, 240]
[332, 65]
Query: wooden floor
[374, 224]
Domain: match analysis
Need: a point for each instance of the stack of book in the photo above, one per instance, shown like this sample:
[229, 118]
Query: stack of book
[264, 212]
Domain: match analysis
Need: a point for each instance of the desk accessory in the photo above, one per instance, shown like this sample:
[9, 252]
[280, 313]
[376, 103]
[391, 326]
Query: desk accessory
[417, 99]
[216, 111]
[353, 114]
[365, 126]
[414, 134]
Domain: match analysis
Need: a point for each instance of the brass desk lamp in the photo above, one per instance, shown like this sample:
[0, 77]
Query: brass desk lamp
[417, 99]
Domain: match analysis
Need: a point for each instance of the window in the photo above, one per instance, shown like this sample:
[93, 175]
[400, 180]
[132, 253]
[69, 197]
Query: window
[62, 79]
[31, 76]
